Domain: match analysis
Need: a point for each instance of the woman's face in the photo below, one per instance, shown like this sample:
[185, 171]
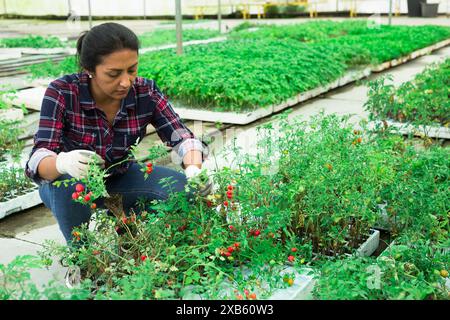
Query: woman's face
[115, 75]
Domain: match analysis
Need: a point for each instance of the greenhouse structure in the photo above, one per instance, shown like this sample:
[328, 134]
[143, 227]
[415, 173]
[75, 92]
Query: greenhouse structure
[241, 150]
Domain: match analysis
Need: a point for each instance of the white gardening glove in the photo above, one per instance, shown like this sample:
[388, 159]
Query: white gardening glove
[200, 178]
[76, 162]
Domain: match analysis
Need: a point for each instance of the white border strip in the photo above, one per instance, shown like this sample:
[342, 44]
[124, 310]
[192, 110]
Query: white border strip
[32, 51]
[370, 245]
[419, 130]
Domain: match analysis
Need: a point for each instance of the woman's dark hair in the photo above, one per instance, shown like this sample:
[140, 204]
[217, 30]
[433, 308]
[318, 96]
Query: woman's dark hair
[102, 40]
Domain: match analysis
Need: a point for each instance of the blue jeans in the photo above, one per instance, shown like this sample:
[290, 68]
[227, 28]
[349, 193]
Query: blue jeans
[131, 185]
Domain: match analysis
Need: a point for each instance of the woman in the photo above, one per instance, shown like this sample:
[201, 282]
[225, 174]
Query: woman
[99, 114]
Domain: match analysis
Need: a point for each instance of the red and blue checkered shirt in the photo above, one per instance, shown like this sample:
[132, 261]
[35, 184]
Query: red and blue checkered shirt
[70, 120]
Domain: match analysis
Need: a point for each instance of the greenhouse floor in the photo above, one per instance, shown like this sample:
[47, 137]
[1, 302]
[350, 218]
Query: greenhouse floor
[25, 232]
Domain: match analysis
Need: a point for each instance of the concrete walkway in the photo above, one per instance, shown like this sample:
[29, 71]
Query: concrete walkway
[25, 232]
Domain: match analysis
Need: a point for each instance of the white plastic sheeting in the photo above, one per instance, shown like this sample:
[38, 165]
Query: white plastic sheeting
[167, 7]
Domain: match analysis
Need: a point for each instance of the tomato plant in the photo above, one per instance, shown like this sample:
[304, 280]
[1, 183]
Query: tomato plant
[424, 100]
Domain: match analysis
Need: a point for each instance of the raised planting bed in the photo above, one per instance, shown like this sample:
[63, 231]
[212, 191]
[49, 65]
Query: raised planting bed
[366, 249]
[33, 41]
[389, 44]
[31, 98]
[192, 113]
[413, 55]
[19, 202]
[404, 271]
[397, 250]
[417, 107]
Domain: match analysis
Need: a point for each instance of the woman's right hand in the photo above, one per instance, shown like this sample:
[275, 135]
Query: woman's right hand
[76, 162]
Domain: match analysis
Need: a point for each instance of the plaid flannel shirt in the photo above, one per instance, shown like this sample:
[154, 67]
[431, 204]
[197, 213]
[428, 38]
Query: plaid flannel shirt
[70, 120]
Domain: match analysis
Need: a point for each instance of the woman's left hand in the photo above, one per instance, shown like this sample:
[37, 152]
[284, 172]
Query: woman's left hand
[199, 177]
